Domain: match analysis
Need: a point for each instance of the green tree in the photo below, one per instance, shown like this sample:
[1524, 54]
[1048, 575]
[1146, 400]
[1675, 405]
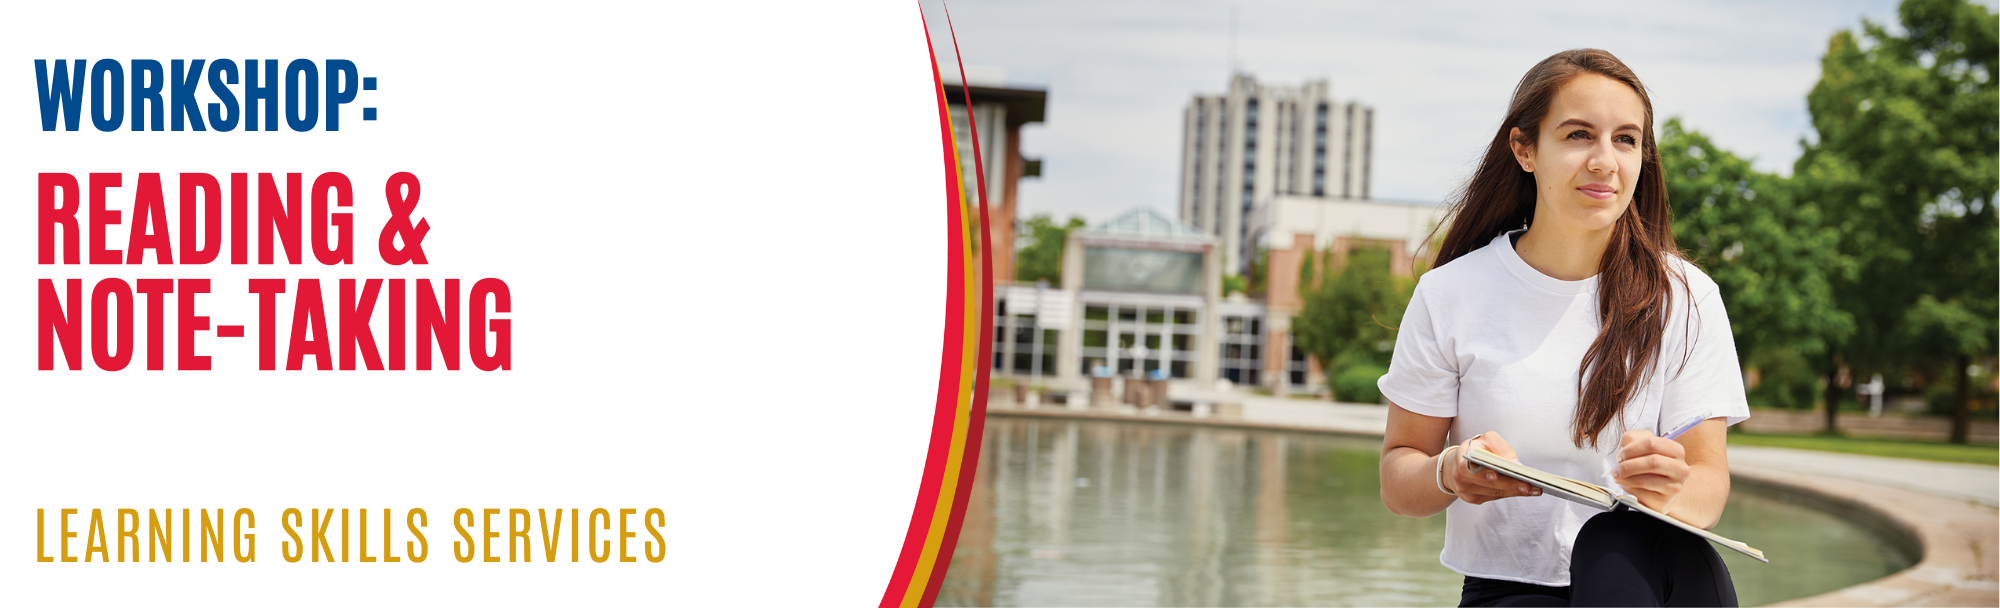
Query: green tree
[1345, 319]
[1038, 255]
[1775, 257]
[1260, 270]
[1232, 283]
[1254, 283]
[1905, 167]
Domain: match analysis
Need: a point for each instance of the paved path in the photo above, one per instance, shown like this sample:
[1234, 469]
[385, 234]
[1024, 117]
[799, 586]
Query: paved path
[1348, 417]
[1971, 482]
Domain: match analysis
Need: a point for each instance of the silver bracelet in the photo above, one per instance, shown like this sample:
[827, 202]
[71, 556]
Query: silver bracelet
[1439, 474]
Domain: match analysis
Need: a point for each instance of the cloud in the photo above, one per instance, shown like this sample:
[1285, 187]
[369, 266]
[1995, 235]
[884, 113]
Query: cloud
[1120, 72]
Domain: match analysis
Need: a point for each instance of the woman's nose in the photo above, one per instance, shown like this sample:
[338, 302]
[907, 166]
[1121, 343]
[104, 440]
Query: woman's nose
[1600, 158]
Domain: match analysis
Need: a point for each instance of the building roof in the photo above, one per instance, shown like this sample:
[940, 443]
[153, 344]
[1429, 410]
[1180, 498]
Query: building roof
[1142, 226]
[1327, 218]
[1143, 221]
[1024, 105]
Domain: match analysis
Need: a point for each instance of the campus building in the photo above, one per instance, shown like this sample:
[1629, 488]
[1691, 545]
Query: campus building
[1000, 111]
[1142, 294]
[1244, 148]
[1282, 172]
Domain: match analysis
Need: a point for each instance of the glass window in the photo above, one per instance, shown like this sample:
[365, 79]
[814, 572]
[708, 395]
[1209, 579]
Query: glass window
[1121, 269]
[1152, 341]
[1094, 338]
[1297, 369]
[1183, 316]
[1128, 314]
[1233, 325]
[1182, 342]
[1156, 316]
[1022, 361]
[1096, 313]
[1125, 340]
[1179, 369]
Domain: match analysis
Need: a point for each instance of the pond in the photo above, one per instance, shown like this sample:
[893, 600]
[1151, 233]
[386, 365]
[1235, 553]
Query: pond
[1092, 513]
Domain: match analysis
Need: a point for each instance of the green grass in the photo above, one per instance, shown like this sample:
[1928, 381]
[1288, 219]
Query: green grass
[1895, 448]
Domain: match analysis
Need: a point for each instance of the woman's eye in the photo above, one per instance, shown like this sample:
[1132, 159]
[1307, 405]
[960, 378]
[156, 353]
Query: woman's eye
[1579, 134]
[1628, 140]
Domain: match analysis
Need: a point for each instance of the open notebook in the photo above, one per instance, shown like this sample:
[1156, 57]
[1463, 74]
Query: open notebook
[1593, 495]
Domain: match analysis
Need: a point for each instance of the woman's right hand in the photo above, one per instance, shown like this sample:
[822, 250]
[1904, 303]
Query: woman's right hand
[1484, 485]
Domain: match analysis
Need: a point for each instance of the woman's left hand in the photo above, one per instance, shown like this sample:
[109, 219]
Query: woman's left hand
[1653, 468]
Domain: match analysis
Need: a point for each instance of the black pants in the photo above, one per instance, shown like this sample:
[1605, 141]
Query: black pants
[1622, 558]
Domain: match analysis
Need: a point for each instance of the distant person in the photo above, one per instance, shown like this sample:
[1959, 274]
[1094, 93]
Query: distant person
[1563, 328]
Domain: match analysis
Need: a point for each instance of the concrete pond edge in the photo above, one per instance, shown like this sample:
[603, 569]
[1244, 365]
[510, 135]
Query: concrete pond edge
[1955, 541]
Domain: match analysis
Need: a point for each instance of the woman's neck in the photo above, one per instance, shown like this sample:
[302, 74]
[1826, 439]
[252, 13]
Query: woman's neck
[1568, 255]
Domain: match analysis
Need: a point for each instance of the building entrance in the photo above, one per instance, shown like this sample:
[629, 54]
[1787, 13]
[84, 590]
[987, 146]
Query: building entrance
[1128, 338]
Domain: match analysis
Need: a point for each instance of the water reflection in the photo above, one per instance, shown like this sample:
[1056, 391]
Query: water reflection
[1821, 553]
[1139, 514]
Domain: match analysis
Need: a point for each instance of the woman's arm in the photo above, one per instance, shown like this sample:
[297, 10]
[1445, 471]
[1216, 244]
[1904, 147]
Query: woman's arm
[1688, 478]
[1411, 473]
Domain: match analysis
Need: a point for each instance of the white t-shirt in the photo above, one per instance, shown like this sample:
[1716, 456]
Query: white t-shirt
[1494, 344]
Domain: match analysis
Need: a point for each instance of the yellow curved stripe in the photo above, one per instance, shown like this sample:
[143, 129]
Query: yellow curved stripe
[975, 311]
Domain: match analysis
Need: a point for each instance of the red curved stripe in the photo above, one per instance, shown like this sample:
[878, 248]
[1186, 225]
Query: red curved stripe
[949, 387]
[976, 422]
[944, 419]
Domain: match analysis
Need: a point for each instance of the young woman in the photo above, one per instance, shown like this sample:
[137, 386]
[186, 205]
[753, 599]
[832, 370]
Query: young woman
[1562, 328]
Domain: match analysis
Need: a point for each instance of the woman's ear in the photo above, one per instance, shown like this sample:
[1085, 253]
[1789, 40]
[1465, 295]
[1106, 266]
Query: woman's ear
[1523, 153]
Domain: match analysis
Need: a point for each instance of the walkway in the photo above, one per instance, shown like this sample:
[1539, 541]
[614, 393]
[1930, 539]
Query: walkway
[1961, 481]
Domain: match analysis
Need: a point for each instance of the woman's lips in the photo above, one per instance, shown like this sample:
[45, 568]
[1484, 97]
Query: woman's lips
[1598, 191]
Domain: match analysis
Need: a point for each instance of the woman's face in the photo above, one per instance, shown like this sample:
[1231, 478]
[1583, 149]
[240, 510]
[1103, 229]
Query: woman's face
[1586, 158]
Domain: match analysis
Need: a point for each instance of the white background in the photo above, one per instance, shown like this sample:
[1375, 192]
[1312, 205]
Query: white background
[723, 230]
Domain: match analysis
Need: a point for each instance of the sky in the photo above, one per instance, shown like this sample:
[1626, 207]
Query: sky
[1119, 73]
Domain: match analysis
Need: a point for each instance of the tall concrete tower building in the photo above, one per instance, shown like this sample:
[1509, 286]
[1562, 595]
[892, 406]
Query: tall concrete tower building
[1241, 149]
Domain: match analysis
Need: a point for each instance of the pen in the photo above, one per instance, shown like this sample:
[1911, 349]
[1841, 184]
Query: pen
[1611, 460]
[1688, 426]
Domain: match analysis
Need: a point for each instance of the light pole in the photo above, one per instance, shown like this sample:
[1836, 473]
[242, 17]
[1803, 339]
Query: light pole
[1035, 342]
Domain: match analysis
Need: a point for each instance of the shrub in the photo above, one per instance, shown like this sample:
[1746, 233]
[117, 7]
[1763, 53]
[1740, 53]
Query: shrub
[1940, 394]
[1787, 380]
[1356, 383]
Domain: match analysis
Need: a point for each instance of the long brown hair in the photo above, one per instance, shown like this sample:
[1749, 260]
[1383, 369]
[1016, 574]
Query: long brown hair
[1634, 276]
